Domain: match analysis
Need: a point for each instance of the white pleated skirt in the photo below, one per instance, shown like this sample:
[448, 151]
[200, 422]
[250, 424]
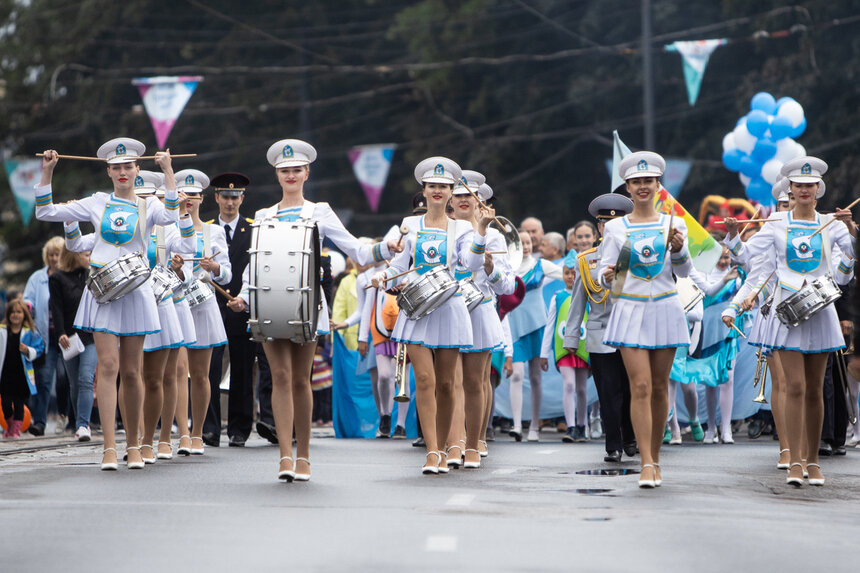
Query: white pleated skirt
[171, 330]
[449, 326]
[208, 325]
[821, 333]
[487, 334]
[760, 327]
[134, 314]
[186, 321]
[650, 324]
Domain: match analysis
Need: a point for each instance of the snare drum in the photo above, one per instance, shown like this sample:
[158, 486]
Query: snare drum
[285, 293]
[163, 282]
[472, 295]
[689, 293]
[198, 292]
[432, 290]
[118, 278]
[808, 301]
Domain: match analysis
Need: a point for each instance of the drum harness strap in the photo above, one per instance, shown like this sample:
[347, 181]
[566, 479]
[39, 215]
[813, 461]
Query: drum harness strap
[160, 247]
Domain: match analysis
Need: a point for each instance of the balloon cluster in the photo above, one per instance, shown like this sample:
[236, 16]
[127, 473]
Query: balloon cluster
[762, 141]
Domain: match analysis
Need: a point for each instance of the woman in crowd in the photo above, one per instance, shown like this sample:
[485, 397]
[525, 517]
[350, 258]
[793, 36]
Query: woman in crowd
[67, 286]
[37, 293]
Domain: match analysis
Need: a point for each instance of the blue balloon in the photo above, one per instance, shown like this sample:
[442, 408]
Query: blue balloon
[732, 159]
[798, 131]
[750, 167]
[764, 149]
[780, 128]
[764, 102]
[759, 190]
[757, 122]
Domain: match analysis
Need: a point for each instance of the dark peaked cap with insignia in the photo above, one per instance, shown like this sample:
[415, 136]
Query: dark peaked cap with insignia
[230, 184]
[609, 206]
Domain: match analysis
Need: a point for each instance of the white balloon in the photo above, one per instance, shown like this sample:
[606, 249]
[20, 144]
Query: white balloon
[786, 149]
[791, 110]
[799, 150]
[745, 180]
[743, 138]
[729, 142]
[770, 170]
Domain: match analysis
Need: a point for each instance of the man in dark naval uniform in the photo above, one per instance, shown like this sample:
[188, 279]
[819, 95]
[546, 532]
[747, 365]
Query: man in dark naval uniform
[229, 194]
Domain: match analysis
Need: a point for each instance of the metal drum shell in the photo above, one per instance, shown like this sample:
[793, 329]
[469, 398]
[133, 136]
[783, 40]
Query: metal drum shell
[198, 292]
[424, 295]
[163, 282]
[689, 293]
[285, 294]
[808, 301]
[472, 295]
[118, 278]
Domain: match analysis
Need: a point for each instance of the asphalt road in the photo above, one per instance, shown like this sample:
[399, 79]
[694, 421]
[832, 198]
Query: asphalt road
[368, 508]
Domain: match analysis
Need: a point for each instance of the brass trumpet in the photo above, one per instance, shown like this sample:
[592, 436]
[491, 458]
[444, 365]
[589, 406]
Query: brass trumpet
[760, 375]
[400, 378]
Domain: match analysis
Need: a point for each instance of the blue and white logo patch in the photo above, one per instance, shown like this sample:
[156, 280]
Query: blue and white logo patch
[647, 253]
[802, 253]
[439, 170]
[806, 169]
[138, 181]
[189, 180]
[288, 151]
[118, 224]
[120, 149]
[642, 165]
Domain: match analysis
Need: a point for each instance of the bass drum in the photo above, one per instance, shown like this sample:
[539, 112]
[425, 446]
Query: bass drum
[285, 292]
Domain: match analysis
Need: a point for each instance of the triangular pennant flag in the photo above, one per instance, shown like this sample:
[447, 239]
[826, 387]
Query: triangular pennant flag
[619, 152]
[371, 164]
[23, 175]
[164, 98]
[695, 55]
[675, 175]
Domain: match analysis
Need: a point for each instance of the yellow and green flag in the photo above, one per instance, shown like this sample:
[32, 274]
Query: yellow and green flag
[704, 249]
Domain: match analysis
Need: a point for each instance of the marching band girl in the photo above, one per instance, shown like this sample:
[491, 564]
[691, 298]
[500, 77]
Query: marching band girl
[291, 362]
[433, 341]
[801, 350]
[647, 321]
[123, 225]
[495, 275]
[211, 264]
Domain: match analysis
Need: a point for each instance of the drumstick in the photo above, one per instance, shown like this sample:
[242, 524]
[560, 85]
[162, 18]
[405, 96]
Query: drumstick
[757, 211]
[824, 226]
[496, 253]
[84, 158]
[404, 230]
[481, 203]
[202, 258]
[747, 221]
[220, 290]
[396, 276]
[738, 330]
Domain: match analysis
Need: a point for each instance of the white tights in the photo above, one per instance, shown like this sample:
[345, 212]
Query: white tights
[727, 398]
[691, 402]
[574, 388]
[853, 390]
[384, 384]
[517, 379]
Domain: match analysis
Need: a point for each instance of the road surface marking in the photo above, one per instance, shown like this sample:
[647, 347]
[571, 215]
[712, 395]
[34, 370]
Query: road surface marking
[441, 544]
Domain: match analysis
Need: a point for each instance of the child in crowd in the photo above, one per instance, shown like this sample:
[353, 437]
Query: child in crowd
[20, 344]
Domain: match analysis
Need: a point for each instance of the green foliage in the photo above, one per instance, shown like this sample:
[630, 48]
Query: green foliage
[349, 72]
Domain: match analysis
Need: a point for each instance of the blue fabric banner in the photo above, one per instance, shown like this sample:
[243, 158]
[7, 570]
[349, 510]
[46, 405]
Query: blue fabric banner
[353, 409]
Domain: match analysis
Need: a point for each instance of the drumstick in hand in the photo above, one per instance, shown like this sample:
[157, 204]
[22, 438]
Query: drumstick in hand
[404, 230]
[824, 226]
[221, 291]
[395, 276]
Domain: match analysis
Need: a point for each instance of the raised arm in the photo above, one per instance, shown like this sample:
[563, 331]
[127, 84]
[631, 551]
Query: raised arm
[332, 228]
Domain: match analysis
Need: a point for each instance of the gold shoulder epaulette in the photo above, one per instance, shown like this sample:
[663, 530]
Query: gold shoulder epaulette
[249, 220]
[210, 221]
[587, 252]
